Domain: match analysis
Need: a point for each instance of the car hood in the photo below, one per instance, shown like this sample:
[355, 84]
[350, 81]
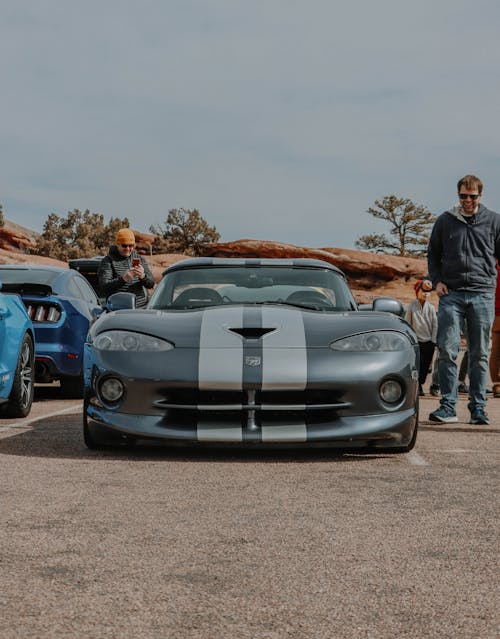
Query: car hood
[277, 326]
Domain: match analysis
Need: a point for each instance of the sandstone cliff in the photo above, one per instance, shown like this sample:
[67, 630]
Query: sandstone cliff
[369, 274]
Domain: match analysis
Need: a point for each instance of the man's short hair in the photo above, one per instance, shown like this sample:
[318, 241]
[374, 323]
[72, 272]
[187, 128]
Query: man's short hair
[470, 182]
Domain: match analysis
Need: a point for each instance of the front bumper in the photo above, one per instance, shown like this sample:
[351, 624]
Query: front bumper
[338, 404]
[373, 431]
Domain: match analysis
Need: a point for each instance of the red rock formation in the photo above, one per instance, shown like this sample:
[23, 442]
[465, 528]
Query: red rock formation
[16, 241]
[369, 274]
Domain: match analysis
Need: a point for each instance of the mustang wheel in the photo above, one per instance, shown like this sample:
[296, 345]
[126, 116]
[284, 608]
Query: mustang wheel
[21, 396]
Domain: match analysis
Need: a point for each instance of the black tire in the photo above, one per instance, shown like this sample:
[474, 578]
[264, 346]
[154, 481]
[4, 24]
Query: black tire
[89, 439]
[72, 387]
[411, 444]
[23, 388]
[100, 438]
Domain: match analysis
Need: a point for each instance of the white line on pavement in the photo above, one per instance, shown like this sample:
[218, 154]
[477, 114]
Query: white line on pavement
[416, 460]
[75, 408]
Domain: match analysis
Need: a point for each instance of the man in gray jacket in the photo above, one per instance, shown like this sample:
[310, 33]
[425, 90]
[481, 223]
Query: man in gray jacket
[463, 250]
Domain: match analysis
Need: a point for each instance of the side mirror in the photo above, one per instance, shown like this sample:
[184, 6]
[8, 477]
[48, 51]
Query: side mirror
[365, 307]
[120, 301]
[388, 305]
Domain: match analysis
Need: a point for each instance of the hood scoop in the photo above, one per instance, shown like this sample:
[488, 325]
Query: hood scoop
[252, 333]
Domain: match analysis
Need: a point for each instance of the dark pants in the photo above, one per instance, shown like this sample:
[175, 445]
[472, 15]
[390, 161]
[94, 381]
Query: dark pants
[426, 352]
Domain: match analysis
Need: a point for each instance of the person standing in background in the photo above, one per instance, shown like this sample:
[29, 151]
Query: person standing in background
[463, 250]
[421, 316]
[495, 343]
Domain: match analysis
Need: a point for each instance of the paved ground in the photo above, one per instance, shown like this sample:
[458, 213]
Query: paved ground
[154, 543]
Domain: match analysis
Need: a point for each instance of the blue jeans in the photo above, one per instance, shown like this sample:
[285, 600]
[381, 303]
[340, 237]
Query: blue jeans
[477, 310]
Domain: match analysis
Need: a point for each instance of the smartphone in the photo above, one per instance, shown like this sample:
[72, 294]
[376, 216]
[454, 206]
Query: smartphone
[136, 261]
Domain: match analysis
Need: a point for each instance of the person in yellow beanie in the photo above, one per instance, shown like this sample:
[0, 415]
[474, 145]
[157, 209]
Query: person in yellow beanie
[123, 269]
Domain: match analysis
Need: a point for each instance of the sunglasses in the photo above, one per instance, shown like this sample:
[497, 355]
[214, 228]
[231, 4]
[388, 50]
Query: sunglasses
[127, 245]
[464, 196]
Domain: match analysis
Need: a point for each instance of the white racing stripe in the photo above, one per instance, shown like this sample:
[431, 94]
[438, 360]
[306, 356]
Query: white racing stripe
[286, 366]
[211, 433]
[285, 433]
[76, 408]
[220, 363]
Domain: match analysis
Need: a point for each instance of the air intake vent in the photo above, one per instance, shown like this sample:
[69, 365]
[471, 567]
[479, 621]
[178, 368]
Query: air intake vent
[252, 333]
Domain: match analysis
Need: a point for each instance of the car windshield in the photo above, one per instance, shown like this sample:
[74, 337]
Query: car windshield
[315, 288]
[25, 275]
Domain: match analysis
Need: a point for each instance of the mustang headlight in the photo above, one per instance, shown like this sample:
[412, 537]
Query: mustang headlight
[130, 341]
[373, 341]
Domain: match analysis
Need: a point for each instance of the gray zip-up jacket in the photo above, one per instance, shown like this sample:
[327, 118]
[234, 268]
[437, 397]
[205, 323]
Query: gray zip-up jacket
[463, 254]
[110, 279]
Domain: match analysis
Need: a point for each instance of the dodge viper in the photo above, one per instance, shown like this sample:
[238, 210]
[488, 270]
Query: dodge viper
[252, 352]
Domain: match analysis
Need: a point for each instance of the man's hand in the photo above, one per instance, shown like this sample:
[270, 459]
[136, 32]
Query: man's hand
[129, 275]
[441, 289]
[139, 271]
[135, 271]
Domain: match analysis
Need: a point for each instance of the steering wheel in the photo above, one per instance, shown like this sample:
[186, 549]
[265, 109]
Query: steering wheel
[199, 296]
[312, 298]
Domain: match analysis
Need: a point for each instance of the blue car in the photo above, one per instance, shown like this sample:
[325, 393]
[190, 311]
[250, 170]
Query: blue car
[16, 357]
[62, 305]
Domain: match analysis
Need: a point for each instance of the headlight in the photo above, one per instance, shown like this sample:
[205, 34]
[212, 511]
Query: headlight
[130, 341]
[373, 341]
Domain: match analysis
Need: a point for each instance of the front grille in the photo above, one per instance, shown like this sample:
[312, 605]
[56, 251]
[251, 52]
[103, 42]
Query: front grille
[254, 400]
[43, 312]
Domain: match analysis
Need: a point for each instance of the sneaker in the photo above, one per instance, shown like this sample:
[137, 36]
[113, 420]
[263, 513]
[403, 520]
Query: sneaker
[434, 390]
[421, 391]
[478, 416]
[463, 388]
[445, 415]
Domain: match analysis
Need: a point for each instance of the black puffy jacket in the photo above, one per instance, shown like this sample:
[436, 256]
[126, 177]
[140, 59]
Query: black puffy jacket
[110, 279]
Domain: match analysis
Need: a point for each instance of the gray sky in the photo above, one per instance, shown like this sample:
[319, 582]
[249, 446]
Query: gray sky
[278, 119]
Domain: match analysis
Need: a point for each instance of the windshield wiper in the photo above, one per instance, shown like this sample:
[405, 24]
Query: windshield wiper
[311, 307]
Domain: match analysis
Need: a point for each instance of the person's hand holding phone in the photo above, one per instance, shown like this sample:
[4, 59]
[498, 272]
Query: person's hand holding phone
[137, 267]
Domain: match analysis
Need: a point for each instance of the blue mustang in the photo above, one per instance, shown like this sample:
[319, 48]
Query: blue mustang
[16, 357]
[62, 305]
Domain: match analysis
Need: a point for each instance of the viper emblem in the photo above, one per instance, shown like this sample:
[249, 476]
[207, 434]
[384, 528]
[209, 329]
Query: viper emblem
[253, 360]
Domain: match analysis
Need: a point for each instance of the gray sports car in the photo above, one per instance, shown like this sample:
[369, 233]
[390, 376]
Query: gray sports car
[252, 352]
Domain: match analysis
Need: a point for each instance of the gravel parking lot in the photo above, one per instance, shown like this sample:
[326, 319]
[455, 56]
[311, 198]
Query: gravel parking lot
[154, 542]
